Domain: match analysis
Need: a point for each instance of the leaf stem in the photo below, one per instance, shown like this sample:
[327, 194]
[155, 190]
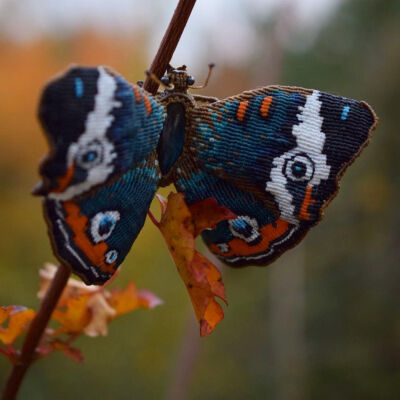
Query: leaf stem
[153, 219]
[35, 332]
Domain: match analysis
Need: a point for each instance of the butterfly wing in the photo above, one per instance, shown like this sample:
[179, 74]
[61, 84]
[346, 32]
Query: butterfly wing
[98, 127]
[94, 233]
[101, 172]
[274, 156]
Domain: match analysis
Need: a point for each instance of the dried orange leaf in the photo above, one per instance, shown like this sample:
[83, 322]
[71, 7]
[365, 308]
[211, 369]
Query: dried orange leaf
[101, 314]
[179, 226]
[74, 314]
[17, 319]
[207, 213]
[87, 309]
[73, 288]
[149, 299]
[129, 299]
[124, 300]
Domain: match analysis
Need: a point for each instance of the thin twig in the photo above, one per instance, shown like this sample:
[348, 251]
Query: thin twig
[38, 325]
[35, 332]
[169, 43]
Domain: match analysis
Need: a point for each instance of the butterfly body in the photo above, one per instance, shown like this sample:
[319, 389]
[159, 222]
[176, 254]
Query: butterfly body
[272, 155]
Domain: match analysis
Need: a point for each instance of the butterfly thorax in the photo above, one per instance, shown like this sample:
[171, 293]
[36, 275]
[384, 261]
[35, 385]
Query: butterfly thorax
[178, 104]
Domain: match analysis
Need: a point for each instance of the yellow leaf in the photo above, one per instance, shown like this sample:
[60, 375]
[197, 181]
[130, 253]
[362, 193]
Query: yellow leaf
[73, 315]
[88, 309]
[123, 301]
[129, 299]
[18, 319]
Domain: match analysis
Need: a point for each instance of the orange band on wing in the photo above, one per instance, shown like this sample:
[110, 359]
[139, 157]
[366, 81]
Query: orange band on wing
[63, 181]
[269, 233]
[304, 214]
[137, 94]
[266, 103]
[79, 225]
[241, 111]
[147, 104]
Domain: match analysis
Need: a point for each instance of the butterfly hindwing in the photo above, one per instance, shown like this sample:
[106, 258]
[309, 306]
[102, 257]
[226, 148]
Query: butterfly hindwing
[94, 233]
[101, 172]
[245, 239]
[274, 157]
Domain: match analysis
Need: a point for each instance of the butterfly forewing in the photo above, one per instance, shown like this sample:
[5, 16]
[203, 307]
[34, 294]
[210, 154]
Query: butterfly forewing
[274, 157]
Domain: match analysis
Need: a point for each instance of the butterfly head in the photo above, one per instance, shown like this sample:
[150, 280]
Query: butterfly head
[178, 79]
[98, 126]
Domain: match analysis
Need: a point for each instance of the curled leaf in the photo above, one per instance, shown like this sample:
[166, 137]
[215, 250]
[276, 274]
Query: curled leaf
[89, 310]
[207, 213]
[14, 320]
[101, 314]
[73, 314]
[129, 299]
[73, 287]
[180, 225]
[148, 299]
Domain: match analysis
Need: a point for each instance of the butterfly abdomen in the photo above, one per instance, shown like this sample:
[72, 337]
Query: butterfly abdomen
[172, 137]
[175, 133]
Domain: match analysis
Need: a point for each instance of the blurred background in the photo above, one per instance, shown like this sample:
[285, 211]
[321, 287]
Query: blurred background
[321, 322]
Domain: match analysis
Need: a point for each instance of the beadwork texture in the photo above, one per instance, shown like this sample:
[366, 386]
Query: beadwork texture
[274, 156]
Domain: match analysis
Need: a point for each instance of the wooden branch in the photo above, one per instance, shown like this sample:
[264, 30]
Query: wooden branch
[35, 332]
[39, 323]
[169, 43]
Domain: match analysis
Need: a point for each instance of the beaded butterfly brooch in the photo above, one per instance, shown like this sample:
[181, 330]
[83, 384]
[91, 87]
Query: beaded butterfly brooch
[273, 156]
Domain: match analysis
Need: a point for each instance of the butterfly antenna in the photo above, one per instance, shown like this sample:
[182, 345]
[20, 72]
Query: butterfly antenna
[210, 68]
[155, 78]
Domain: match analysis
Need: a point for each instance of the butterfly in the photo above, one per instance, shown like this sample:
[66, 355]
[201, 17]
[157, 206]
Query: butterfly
[273, 156]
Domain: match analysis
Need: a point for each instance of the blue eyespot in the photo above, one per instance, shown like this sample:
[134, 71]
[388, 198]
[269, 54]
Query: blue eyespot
[245, 228]
[240, 224]
[223, 247]
[111, 256]
[90, 155]
[106, 224]
[103, 224]
[299, 168]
